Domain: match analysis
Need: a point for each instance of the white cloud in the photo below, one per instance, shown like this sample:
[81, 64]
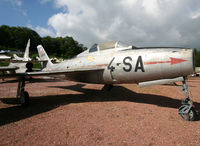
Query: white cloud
[15, 2]
[195, 15]
[44, 31]
[22, 11]
[45, 1]
[137, 22]
[151, 7]
[17, 5]
[41, 30]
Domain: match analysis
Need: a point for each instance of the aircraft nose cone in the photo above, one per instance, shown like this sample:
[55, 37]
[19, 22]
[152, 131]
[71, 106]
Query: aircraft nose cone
[189, 65]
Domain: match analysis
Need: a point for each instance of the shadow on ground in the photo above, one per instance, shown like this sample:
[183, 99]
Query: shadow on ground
[46, 103]
[33, 80]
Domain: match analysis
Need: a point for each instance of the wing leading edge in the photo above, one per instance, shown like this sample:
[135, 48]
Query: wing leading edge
[53, 72]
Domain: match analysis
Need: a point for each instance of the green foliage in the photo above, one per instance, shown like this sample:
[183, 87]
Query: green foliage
[15, 38]
[37, 65]
[65, 47]
[197, 57]
[4, 63]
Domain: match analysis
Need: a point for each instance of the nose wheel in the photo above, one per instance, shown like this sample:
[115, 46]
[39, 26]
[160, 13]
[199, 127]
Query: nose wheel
[24, 98]
[21, 94]
[187, 110]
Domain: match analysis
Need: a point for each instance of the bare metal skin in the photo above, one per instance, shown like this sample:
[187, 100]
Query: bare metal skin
[125, 64]
[113, 63]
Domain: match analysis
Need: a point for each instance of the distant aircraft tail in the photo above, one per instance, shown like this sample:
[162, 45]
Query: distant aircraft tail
[26, 53]
[47, 64]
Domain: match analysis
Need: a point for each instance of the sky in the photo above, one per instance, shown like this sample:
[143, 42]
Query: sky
[135, 22]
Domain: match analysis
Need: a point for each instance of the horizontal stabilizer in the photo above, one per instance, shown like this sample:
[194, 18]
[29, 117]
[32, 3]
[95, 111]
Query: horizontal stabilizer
[15, 57]
[160, 82]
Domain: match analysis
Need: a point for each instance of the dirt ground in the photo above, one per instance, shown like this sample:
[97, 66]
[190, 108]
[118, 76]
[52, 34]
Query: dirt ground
[70, 113]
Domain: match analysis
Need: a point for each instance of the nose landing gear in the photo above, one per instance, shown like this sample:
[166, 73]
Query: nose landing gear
[21, 94]
[187, 110]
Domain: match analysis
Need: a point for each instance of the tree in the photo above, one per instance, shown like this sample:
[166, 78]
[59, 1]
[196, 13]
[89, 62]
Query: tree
[65, 47]
[15, 38]
[197, 57]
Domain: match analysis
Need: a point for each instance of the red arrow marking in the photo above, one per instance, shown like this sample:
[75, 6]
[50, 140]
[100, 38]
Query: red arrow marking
[172, 61]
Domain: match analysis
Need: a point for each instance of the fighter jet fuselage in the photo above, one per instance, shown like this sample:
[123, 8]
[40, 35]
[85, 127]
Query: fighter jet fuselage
[128, 65]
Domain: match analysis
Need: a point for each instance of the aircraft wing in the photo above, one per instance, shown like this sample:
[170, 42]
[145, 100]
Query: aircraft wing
[53, 72]
[22, 61]
[59, 72]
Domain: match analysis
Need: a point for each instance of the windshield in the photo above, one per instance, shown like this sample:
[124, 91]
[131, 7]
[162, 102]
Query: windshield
[93, 48]
[107, 45]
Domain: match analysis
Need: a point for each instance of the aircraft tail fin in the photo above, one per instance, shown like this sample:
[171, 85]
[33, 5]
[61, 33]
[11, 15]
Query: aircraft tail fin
[26, 53]
[43, 56]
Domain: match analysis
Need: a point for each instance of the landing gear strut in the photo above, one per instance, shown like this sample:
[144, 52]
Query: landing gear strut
[21, 94]
[187, 110]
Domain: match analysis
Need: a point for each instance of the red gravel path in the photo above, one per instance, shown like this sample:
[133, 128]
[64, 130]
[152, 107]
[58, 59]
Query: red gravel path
[70, 113]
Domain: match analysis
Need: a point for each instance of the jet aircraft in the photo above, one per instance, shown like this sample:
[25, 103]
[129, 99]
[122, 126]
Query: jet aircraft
[4, 58]
[115, 63]
[26, 54]
[17, 64]
[4, 51]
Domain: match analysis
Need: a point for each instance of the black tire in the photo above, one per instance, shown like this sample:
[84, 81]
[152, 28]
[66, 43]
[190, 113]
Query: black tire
[192, 114]
[24, 99]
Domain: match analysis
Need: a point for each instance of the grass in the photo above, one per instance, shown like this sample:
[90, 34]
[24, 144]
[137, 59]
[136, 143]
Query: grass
[4, 63]
[36, 65]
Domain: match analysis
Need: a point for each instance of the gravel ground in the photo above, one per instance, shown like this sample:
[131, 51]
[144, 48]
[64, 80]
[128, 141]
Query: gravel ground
[71, 113]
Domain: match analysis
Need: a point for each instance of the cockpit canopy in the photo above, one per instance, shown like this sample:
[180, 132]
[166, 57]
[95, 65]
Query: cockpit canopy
[107, 45]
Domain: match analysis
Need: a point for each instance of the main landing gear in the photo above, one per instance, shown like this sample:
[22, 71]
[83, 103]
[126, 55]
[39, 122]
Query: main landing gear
[21, 94]
[187, 110]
